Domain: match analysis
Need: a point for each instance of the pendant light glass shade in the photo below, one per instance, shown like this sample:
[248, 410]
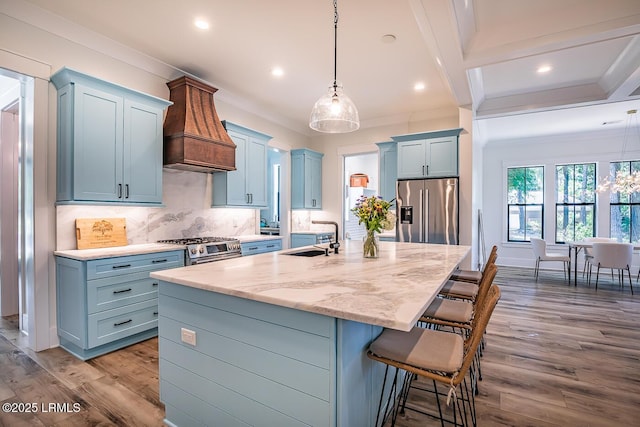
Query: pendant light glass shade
[334, 112]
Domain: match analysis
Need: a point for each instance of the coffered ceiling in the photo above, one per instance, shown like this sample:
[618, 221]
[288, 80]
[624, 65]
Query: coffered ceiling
[479, 53]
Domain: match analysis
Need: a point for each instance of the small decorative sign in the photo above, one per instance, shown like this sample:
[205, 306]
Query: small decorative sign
[94, 233]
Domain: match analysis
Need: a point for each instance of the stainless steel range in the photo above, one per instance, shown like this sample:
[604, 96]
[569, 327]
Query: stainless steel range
[207, 249]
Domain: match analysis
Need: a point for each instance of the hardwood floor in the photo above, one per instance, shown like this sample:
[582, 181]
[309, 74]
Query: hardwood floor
[556, 355]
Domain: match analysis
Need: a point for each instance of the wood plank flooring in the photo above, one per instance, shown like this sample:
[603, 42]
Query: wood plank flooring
[556, 355]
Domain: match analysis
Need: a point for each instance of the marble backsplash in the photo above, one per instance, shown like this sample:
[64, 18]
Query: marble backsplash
[186, 213]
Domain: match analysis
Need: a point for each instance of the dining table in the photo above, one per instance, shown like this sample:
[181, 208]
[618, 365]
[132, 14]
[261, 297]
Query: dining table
[575, 248]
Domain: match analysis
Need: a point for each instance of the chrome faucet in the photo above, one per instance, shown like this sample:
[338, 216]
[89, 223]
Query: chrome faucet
[335, 246]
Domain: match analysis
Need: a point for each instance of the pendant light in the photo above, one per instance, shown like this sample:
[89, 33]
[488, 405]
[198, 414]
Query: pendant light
[624, 182]
[334, 112]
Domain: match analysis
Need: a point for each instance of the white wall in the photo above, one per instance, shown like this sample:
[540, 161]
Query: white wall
[599, 147]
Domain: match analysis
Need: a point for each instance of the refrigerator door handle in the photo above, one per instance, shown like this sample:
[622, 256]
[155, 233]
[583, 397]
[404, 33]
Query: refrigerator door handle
[421, 220]
[425, 207]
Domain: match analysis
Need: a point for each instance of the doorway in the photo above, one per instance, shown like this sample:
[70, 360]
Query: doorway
[360, 178]
[16, 195]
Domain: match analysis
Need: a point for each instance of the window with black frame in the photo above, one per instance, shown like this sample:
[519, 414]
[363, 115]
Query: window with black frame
[525, 203]
[575, 202]
[625, 207]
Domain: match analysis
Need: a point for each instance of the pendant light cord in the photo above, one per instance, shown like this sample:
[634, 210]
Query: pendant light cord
[335, 48]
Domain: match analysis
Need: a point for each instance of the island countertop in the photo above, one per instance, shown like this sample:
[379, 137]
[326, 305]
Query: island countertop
[391, 291]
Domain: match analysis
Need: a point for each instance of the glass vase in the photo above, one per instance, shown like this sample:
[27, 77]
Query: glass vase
[371, 245]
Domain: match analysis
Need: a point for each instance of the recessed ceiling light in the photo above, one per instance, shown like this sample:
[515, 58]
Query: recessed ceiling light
[544, 69]
[418, 87]
[201, 23]
[277, 72]
[388, 38]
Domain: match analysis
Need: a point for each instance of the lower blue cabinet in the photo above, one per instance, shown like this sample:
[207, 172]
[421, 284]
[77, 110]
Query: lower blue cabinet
[108, 303]
[259, 247]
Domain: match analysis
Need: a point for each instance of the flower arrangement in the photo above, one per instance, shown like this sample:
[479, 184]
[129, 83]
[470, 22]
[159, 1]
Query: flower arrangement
[376, 215]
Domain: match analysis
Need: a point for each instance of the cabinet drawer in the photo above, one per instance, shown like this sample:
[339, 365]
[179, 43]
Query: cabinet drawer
[109, 293]
[112, 325]
[253, 248]
[109, 267]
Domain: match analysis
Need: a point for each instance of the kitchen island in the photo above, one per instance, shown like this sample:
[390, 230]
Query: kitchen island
[277, 339]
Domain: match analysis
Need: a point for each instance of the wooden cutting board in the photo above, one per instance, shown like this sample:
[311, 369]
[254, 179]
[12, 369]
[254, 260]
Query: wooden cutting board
[94, 233]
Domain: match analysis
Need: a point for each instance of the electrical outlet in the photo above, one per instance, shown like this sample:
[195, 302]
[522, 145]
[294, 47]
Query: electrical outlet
[188, 336]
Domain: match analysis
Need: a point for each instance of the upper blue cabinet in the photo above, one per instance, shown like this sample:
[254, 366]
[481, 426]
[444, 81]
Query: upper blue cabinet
[306, 179]
[428, 155]
[388, 165]
[247, 185]
[109, 141]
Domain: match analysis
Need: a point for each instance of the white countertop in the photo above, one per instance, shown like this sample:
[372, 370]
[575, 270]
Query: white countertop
[257, 238]
[315, 233]
[116, 251]
[391, 291]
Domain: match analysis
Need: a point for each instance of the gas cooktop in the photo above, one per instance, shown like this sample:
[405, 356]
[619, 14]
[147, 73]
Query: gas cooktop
[199, 250]
[198, 240]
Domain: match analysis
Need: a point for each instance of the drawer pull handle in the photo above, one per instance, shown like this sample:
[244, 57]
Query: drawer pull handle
[155, 313]
[115, 267]
[158, 261]
[154, 284]
[123, 323]
[253, 248]
[122, 291]
[271, 246]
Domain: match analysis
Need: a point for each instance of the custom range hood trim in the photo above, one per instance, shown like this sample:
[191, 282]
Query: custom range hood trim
[194, 137]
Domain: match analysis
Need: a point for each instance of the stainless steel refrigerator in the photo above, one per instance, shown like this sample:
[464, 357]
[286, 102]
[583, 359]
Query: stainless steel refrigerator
[427, 211]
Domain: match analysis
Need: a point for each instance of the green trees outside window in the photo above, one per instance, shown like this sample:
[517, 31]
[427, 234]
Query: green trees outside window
[625, 208]
[525, 203]
[575, 202]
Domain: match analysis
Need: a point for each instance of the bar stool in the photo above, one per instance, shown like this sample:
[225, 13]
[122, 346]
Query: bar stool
[458, 315]
[443, 357]
[474, 276]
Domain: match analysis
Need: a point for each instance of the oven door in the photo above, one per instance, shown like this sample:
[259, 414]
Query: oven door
[212, 258]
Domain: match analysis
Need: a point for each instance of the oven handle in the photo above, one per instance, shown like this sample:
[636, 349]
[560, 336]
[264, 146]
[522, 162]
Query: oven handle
[213, 259]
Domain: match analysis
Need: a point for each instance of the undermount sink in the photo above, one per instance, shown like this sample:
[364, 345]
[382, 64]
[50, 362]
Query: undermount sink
[309, 252]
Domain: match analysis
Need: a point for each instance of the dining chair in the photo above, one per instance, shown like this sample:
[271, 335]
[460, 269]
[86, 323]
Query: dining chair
[588, 252]
[539, 247]
[443, 357]
[617, 256]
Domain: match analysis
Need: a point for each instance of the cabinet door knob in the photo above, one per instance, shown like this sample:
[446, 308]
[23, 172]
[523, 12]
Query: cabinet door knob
[126, 191]
[119, 191]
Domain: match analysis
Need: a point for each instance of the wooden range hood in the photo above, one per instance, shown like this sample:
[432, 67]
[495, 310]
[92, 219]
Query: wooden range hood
[194, 137]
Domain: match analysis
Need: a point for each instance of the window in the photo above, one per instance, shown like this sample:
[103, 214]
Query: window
[625, 208]
[575, 202]
[525, 197]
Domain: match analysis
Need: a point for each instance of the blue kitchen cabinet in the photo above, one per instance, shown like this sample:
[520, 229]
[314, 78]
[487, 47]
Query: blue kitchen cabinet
[306, 179]
[428, 155]
[260, 246]
[247, 185]
[388, 164]
[109, 142]
[109, 303]
[298, 240]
